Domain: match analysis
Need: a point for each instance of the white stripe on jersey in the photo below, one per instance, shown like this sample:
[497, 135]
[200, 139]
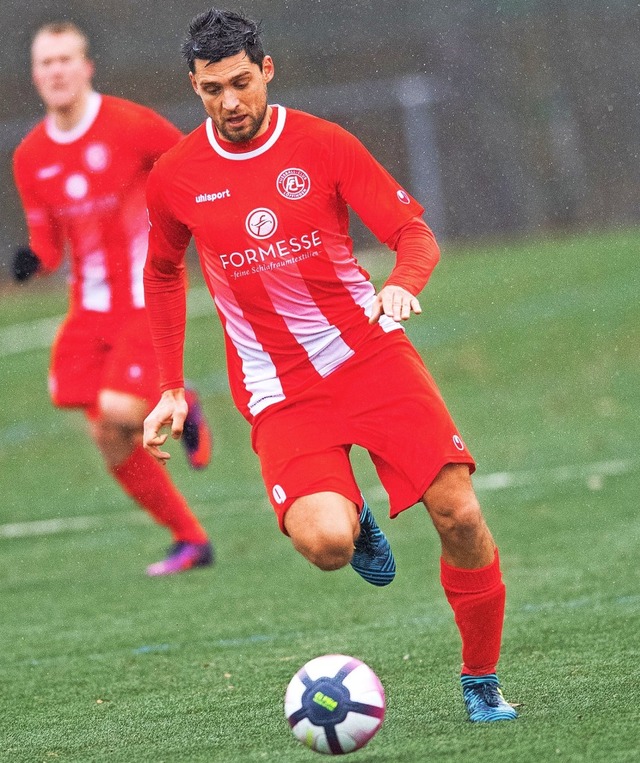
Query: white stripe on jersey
[362, 292]
[95, 290]
[321, 340]
[137, 257]
[260, 375]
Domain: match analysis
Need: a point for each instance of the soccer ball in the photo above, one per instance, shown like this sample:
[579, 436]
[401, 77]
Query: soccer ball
[334, 704]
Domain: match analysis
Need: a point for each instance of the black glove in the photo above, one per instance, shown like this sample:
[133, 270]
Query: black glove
[25, 264]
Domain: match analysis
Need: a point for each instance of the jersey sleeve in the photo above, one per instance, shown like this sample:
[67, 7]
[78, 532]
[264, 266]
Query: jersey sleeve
[45, 236]
[417, 254]
[160, 137]
[165, 285]
[363, 183]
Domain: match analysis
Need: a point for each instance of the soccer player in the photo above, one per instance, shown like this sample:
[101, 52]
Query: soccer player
[317, 361]
[81, 175]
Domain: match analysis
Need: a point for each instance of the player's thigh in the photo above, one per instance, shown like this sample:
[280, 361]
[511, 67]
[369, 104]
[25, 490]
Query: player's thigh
[131, 368]
[122, 409]
[78, 356]
[300, 455]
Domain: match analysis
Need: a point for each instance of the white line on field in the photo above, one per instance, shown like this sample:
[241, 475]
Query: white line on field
[593, 476]
[38, 334]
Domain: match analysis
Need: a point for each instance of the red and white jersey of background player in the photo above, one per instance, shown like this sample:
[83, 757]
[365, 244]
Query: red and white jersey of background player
[85, 189]
[270, 223]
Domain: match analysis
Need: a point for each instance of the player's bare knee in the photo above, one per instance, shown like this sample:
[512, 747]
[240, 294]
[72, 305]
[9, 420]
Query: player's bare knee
[328, 551]
[460, 515]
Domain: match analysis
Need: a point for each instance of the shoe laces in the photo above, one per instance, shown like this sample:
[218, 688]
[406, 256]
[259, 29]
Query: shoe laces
[486, 693]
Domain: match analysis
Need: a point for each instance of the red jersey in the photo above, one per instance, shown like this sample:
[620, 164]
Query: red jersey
[270, 223]
[85, 189]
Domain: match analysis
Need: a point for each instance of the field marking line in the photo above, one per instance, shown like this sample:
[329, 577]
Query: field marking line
[39, 334]
[594, 475]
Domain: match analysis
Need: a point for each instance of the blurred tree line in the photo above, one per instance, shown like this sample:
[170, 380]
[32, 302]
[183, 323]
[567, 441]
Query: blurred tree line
[533, 104]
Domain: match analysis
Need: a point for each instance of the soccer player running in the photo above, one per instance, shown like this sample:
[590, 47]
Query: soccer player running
[317, 360]
[81, 174]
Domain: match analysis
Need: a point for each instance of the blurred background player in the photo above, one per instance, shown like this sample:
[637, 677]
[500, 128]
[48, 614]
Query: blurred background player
[317, 360]
[81, 174]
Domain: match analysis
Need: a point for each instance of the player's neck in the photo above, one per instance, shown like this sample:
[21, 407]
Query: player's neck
[69, 117]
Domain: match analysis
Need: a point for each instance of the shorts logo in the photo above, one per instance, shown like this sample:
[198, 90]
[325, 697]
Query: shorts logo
[76, 186]
[293, 183]
[97, 157]
[261, 223]
[458, 442]
[279, 496]
[135, 372]
[403, 196]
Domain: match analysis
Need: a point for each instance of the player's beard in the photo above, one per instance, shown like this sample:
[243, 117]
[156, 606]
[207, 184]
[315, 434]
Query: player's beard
[248, 132]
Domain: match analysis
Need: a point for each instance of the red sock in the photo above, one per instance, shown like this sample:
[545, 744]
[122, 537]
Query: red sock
[149, 484]
[477, 598]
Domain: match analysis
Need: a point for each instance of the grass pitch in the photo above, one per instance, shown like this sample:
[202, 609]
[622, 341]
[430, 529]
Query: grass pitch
[536, 347]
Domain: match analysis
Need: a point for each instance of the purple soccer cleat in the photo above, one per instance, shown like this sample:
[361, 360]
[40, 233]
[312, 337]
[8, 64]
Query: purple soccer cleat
[183, 556]
[196, 434]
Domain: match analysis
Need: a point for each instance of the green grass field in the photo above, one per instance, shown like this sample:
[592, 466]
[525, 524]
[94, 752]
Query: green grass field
[536, 347]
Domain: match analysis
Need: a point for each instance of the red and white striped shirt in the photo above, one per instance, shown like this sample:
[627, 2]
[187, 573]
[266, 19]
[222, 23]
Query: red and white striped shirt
[271, 227]
[84, 189]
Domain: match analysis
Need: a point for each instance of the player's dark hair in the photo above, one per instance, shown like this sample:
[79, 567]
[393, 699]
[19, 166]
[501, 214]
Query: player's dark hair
[216, 34]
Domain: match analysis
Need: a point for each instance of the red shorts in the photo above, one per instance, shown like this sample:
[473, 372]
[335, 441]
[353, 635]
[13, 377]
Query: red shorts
[96, 351]
[384, 400]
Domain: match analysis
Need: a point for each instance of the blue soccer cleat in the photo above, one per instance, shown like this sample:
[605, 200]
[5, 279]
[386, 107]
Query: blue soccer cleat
[373, 559]
[484, 700]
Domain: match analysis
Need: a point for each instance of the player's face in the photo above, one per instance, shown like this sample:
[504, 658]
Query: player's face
[234, 95]
[61, 71]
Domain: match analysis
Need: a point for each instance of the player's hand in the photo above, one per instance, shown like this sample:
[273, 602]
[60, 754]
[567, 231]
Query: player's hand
[25, 264]
[171, 411]
[394, 302]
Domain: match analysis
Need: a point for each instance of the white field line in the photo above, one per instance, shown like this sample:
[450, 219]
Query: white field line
[39, 334]
[592, 474]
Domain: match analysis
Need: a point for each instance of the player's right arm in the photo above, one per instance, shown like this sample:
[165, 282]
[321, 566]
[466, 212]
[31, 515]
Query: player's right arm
[46, 248]
[165, 299]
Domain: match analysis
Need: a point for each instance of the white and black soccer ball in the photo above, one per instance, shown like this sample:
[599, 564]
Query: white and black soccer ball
[334, 704]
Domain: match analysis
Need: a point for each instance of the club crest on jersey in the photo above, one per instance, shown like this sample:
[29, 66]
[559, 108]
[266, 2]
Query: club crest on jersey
[293, 183]
[261, 223]
[97, 157]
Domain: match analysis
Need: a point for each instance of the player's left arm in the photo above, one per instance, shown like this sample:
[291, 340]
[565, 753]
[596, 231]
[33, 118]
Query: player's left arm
[393, 216]
[417, 254]
[159, 135]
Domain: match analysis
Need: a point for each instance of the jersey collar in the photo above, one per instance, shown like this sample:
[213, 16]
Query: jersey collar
[281, 115]
[68, 136]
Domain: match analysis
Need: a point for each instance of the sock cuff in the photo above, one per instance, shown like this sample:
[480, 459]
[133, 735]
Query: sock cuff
[460, 580]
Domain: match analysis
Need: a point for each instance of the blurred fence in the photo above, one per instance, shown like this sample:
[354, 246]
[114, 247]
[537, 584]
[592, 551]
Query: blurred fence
[501, 117]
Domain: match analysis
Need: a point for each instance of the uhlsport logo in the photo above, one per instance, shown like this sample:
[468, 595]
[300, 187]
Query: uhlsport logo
[293, 183]
[261, 223]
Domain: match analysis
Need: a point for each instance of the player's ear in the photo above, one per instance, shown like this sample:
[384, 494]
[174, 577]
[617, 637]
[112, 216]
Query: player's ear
[268, 69]
[194, 83]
